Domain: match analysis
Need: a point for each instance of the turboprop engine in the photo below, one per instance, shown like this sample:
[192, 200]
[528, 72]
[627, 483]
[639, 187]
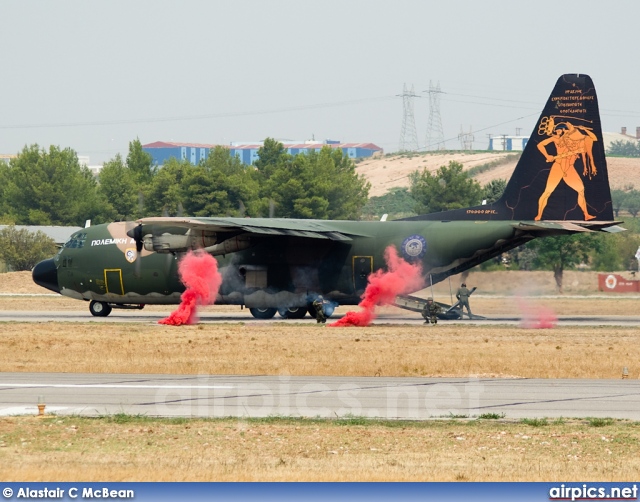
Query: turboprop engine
[176, 243]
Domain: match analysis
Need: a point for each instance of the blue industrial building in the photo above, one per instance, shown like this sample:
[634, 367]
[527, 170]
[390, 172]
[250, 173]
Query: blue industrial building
[508, 143]
[162, 151]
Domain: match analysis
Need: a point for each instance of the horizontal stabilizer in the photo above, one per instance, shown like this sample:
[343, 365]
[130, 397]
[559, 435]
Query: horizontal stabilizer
[567, 227]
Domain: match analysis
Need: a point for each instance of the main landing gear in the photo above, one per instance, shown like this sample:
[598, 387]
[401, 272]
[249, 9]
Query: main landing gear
[99, 309]
[285, 312]
[290, 312]
[103, 309]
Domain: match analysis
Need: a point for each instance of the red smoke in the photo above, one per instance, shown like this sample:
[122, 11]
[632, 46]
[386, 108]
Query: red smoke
[199, 273]
[536, 317]
[383, 287]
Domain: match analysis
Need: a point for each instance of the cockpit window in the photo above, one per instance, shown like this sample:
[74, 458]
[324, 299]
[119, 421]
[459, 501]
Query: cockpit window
[76, 240]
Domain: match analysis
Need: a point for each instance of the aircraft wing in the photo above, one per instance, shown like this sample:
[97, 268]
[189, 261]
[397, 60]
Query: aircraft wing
[546, 227]
[314, 229]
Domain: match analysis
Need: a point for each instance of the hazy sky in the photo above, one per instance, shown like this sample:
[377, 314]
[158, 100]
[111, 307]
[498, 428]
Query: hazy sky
[94, 75]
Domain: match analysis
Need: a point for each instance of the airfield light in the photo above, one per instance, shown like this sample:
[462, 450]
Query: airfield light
[625, 372]
[41, 405]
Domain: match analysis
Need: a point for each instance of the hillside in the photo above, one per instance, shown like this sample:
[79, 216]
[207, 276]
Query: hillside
[392, 171]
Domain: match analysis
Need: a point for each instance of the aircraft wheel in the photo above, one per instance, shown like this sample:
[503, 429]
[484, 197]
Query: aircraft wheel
[267, 313]
[292, 312]
[99, 309]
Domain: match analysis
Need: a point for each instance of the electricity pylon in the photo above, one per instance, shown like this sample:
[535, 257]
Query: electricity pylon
[466, 139]
[408, 135]
[435, 133]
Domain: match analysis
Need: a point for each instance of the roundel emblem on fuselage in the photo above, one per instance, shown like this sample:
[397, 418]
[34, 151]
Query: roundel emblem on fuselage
[414, 247]
[130, 254]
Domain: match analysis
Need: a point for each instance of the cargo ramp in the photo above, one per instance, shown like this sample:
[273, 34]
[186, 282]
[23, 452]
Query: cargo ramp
[416, 304]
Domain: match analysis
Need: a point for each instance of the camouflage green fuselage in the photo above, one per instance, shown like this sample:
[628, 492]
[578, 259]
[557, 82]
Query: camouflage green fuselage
[99, 262]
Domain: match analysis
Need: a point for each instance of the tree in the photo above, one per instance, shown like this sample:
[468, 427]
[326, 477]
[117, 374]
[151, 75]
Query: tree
[317, 185]
[493, 190]
[124, 184]
[397, 203]
[119, 188]
[140, 163]
[4, 179]
[221, 186]
[51, 188]
[165, 195]
[271, 155]
[624, 148]
[449, 188]
[21, 249]
[564, 251]
[632, 202]
[617, 200]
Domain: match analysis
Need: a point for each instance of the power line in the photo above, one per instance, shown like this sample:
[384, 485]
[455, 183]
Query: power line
[203, 117]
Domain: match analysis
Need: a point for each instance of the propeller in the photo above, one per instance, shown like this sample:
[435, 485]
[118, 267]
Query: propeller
[136, 234]
[138, 237]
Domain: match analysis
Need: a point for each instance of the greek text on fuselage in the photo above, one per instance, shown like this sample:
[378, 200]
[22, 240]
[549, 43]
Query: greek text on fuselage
[105, 242]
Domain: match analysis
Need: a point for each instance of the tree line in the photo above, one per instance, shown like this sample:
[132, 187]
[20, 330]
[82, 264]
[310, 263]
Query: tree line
[50, 187]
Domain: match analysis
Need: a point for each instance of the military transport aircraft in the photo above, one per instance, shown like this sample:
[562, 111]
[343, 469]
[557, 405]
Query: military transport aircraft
[559, 186]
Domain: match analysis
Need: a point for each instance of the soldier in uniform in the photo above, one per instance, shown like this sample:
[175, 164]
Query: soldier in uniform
[318, 304]
[430, 311]
[463, 296]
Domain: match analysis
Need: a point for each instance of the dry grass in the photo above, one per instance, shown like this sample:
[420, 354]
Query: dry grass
[271, 348]
[139, 449]
[124, 448]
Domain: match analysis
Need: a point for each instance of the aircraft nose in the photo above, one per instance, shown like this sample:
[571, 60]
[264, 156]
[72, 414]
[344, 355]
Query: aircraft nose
[45, 274]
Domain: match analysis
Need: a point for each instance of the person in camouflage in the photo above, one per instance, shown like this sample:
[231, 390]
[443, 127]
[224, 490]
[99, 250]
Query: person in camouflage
[318, 305]
[430, 311]
[463, 295]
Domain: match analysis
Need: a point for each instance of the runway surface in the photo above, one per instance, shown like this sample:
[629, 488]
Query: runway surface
[263, 396]
[401, 317]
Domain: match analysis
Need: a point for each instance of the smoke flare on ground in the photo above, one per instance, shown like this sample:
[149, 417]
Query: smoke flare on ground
[383, 287]
[199, 273]
[536, 316]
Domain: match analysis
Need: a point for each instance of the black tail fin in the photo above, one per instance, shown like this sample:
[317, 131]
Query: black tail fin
[562, 173]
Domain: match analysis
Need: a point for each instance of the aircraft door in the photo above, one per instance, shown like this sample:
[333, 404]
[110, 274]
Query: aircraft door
[362, 267]
[113, 281]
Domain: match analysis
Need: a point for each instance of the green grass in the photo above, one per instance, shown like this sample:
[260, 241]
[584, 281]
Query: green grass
[491, 416]
[599, 422]
[535, 422]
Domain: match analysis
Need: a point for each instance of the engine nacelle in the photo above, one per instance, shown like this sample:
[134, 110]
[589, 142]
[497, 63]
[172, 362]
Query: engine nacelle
[231, 245]
[176, 243]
